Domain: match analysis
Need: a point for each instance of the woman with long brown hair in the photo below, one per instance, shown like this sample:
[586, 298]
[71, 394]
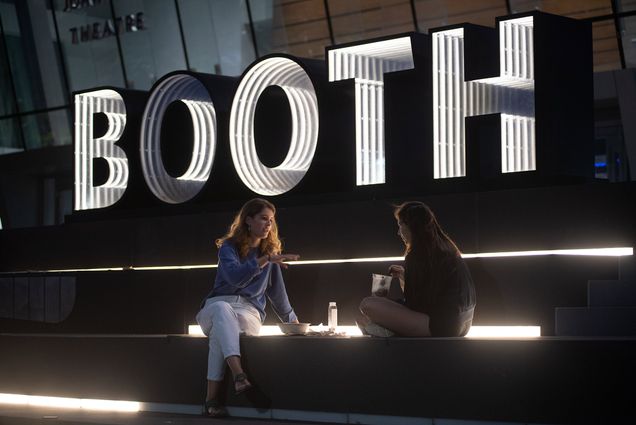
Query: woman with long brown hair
[249, 273]
[439, 294]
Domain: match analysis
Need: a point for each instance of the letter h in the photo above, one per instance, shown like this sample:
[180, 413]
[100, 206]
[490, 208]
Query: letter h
[539, 112]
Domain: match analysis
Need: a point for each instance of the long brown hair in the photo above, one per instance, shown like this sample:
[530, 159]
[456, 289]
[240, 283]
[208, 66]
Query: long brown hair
[239, 231]
[428, 254]
[427, 236]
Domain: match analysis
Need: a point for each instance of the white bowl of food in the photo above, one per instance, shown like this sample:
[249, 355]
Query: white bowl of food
[294, 328]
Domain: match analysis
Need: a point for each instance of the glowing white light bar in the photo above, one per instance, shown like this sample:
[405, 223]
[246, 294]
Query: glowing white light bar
[189, 267]
[367, 64]
[475, 331]
[303, 103]
[346, 260]
[193, 94]
[511, 94]
[87, 148]
[504, 332]
[590, 252]
[96, 269]
[70, 403]
[195, 330]
[269, 330]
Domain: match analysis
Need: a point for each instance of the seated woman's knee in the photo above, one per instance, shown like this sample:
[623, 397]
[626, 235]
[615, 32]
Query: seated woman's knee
[221, 308]
[368, 305]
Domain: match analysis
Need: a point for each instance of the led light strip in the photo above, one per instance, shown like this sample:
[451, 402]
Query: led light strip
[366, 64]
[70, 403]
[354, 331]
[504, 332]
[109, 102]
[511, 94]
[303, 103]
[194, 95]
[591, 252]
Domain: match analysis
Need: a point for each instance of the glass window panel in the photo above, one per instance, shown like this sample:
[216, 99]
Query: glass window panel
[625, 5]
[354, 20]
[628, 36]
[33, 55]
[437, 13]
[47, 129]
[10, 140]
[7, 102]
[217, 35]
[573, 8]
[151, 42]
[89, 45]
[299, 28]
[605, 46]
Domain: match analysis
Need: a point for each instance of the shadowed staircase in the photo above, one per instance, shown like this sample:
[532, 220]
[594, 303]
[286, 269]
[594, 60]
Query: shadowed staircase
[611, 307]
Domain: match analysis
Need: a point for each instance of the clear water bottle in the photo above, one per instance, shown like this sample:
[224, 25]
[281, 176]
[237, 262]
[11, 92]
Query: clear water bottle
[332, 316]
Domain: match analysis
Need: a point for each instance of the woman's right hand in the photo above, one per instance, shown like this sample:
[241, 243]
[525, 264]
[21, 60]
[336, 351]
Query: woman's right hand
[281, 258]
[396, 271]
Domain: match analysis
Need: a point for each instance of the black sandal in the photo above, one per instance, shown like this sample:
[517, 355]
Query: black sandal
[214, 409]
[241, 377]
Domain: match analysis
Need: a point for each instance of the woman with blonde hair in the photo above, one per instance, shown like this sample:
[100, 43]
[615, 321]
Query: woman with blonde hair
[439, 294]
[249, 273]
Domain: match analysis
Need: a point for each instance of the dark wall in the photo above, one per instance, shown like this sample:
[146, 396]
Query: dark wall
[556, 381]
[519, 291]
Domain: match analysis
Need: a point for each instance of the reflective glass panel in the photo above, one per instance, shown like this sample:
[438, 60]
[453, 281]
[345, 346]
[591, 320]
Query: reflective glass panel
[299, 28]
[628, 36]
[33, 55]
[151, 40]
[438, 13]
[7, 103]
[573, 8]
[354, 20]
[10, 140]
[605, 45]
[217, 35]
[89, 45]
[625, 5]
[47, 129]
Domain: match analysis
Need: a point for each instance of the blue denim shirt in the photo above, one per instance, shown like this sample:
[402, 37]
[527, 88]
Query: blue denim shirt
[244, 277]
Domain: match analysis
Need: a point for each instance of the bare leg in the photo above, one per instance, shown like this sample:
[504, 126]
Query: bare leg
[213, 389]
[235, 366]
[395, 316]
[212, 406]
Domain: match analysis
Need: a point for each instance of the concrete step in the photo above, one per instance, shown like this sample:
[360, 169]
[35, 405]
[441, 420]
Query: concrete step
[611, 293]
[595, 321]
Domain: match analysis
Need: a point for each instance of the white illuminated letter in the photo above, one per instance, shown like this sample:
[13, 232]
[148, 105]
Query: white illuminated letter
[511, 94]
[88, 196]
[367, 64]
[190, 91]
[301, 95]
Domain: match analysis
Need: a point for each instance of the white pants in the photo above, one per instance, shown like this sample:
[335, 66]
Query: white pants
[223, 319]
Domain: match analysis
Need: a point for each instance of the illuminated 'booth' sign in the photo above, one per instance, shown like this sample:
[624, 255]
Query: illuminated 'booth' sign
[532, 90]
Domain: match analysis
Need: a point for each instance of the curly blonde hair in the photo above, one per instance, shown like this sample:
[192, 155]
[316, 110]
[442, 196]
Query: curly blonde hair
[239, 233]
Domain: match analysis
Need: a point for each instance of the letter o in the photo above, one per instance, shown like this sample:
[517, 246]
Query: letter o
[190, 91]
[292, 78]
